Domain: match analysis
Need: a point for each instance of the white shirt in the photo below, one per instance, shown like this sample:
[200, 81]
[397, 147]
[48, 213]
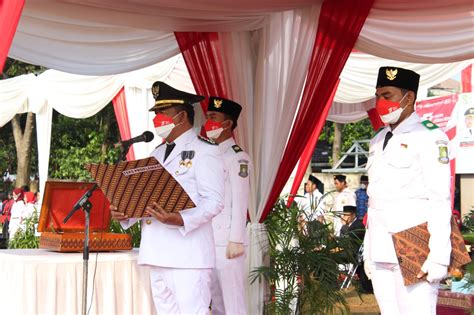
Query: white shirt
[230, 224]
[409, 185]
[313, 205]
[191, 245]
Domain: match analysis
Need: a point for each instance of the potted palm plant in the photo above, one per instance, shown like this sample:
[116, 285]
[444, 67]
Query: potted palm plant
[305, 264]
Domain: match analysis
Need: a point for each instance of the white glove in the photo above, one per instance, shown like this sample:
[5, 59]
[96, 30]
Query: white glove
[368, 268]
[234, 250]
[435, 272]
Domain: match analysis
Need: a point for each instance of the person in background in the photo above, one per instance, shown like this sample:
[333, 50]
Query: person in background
[355, 230]
[312, 203]
[30, 202]
[229, 276]
[345, 197]
[18, 211]
[362, 199]
[408, 167]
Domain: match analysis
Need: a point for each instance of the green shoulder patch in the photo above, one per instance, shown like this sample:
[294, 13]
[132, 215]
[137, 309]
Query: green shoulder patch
[236, 148]
[429, 125]
[208, 141]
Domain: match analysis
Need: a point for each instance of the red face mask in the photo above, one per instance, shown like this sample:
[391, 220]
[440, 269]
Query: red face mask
[213, 129]
[389, 111]
[162, 120]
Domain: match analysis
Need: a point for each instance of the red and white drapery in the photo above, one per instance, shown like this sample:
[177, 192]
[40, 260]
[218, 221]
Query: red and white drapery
[338, 28]
[10, 12]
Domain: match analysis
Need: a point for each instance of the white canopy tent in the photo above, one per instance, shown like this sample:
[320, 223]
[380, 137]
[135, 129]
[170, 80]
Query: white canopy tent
[266, 50]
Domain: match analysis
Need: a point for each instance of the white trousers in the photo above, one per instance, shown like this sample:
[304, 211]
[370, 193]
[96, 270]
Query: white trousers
[394, 298]
[181, 291]
[228, 285]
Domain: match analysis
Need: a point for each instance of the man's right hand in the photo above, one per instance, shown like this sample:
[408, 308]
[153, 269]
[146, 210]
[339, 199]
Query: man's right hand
[117, 215]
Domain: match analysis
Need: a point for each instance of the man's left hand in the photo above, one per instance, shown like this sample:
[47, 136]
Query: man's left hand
[434, 272]
[171, 218]
[234, 250]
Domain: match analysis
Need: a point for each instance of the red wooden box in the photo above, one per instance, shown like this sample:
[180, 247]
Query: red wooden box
[58, 200]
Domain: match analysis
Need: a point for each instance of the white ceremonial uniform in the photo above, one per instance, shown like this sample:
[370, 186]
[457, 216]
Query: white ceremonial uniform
[409, 185]
[312, 205]
[229, 276]
[182, 257]
[345, 198]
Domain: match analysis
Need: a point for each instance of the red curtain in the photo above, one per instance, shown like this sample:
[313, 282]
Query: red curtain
[120, 109]
[466, 80]
[10, 12]
[201, 52]
[305, 158]
[339, 26]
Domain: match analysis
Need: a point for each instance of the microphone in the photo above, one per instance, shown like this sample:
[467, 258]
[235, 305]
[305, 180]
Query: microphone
[147, 136]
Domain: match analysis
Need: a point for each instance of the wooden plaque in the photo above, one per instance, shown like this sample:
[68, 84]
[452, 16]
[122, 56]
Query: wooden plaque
[131, 186]
[59, 199]
[411, 246]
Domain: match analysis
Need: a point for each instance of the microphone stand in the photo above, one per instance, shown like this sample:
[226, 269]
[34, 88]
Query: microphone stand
[86, 206]
[123, 153]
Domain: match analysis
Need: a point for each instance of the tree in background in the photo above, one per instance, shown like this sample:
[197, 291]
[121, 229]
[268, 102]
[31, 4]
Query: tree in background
[360, 130]
[23, 126]
[81, 141]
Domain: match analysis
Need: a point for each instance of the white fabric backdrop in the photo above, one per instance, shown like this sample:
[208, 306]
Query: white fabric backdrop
[98, 37]
[429, 31]
[81, 96]
[269, 87]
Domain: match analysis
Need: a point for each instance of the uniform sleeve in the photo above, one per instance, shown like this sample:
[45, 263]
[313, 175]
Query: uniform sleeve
[240, 183]
[128, 223]
[437, 179]
[210, 187]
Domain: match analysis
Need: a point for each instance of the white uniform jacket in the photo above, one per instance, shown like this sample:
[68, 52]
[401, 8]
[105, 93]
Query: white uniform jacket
[191, 245]
[345, 198]
[230, 224]
[409, 185]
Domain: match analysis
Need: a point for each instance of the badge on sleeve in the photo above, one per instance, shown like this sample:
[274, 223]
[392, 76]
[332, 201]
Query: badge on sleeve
[443, 154]
[244, 170]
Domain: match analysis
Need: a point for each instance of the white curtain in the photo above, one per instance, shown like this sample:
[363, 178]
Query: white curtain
[429, 31]
[98, 37]
[265, 72]
[80, 96]
[14, 96]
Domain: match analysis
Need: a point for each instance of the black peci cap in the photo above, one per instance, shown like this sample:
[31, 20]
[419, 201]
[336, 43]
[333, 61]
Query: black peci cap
[167, 96]
[222, 105]
[340, 177]
[398, 77]
[349, 209]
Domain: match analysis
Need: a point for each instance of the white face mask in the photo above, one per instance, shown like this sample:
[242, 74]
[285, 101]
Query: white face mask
[164, 131]
[165, 125]
[363, 186]
[214, 134]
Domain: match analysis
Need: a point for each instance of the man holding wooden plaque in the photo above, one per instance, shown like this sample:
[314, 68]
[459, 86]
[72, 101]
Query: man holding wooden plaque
[179, 246]
[410, 185]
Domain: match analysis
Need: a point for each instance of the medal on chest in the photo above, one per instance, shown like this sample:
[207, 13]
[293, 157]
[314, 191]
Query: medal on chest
[186, 157]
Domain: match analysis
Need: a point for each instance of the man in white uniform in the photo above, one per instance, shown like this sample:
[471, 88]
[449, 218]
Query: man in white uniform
[179, 247]
[346, 197]
[410, 184]
[229, 276]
